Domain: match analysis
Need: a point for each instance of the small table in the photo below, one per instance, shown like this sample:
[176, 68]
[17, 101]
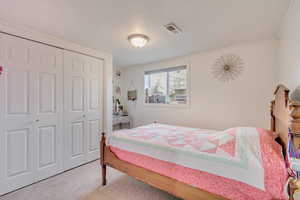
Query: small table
[120, 120]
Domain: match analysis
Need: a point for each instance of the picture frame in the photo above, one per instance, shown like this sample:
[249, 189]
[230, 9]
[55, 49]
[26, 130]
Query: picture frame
[132, 95]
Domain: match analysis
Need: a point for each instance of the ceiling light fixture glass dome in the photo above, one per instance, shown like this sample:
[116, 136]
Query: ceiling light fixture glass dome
[138, 40]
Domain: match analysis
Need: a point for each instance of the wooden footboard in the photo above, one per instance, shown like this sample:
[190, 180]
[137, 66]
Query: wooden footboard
[172, 186]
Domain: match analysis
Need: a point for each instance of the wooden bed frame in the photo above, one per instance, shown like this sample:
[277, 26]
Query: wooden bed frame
[285, 118]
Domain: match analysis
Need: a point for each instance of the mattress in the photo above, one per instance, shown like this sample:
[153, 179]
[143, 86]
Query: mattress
[239, 163]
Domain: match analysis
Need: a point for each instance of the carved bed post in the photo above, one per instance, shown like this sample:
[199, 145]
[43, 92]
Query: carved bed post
[102, 160]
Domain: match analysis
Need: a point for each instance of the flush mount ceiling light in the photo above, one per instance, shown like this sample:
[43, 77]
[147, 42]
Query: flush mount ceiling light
[138, 40]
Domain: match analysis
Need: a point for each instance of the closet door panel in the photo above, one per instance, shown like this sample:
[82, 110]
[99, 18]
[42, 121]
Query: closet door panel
[94, 76]
[31, 112]
[93, 130]
[77, 139]
[94, 95]
[47, 93]
[83, 101]
[17, 158]
[78, 91]
[47, 145]
[75, 109]
[17, 93]
[48, 64]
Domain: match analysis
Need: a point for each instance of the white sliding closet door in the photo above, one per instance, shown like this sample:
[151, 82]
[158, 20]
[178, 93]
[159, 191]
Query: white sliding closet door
[83, 108]
[31, 112]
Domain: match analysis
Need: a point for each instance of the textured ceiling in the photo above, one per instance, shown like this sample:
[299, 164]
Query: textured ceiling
[105, 24]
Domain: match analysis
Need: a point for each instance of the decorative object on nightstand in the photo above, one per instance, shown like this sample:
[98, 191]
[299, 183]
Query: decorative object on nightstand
[228, 68]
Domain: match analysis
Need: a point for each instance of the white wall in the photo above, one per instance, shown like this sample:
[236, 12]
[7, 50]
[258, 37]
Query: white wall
[289, 68]
[214, 105]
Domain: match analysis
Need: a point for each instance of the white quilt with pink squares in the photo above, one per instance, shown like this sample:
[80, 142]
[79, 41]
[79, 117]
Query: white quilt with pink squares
[234, 153]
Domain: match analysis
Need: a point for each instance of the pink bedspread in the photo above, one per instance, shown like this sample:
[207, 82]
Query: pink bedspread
[273, 163]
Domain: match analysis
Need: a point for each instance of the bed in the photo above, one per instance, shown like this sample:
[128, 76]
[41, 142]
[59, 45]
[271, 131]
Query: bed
[238, 163]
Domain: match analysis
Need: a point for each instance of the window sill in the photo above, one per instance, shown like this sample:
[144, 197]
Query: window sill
[183, 106]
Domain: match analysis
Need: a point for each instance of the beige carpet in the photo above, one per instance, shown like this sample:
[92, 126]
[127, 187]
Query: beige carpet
[83, 183]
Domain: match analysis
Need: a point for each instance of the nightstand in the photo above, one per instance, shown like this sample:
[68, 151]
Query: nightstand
[120, 122]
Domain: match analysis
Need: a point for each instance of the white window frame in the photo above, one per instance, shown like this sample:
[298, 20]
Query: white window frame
[187, 105]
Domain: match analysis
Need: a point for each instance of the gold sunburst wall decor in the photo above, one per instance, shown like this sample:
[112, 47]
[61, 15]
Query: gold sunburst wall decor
[228, 68]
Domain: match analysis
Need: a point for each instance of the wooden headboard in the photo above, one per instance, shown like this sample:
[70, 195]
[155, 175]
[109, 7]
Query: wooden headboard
[285, 117]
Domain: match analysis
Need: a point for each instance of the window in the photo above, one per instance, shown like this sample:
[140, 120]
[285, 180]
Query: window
[166, 86]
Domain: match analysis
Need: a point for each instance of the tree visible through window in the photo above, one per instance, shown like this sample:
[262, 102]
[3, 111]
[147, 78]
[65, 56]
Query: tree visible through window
[166, 86]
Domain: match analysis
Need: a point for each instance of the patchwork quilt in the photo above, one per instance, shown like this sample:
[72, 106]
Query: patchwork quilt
[234, 154]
